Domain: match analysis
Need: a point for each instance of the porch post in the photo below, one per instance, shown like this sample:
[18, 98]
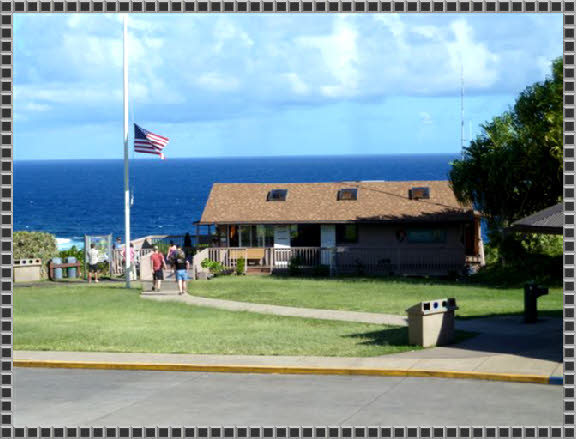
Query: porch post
[333, 262]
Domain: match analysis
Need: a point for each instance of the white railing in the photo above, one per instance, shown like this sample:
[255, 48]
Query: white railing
[117, 262]
[229, 257]
[343, 260]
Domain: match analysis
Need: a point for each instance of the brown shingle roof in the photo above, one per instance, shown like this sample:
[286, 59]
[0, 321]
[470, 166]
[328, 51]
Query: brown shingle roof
[231, 203]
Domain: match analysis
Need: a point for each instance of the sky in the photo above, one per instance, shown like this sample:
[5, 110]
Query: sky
[221, 85]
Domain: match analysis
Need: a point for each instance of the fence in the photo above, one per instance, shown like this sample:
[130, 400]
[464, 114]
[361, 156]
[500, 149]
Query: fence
[254, 258]
[117, 262]
[342, 260]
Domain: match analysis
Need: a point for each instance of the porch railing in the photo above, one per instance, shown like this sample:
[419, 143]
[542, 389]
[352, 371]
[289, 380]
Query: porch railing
[117, 262]
[343, 260]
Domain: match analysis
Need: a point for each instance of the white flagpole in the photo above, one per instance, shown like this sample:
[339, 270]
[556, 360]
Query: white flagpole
[126, 185]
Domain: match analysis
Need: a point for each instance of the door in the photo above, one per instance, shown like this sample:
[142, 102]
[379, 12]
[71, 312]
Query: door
[281, 246]
[327, 241]
[281, 236]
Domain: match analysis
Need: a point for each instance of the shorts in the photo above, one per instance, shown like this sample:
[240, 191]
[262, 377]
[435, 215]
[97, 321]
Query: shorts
[158, 275]
[181, 275]
[92, 268]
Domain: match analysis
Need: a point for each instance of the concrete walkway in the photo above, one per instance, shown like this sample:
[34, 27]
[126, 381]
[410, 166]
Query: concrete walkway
[488, 366]
[170, 293]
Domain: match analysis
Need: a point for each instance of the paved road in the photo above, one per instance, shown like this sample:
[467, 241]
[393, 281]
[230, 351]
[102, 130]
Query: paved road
[44, 397]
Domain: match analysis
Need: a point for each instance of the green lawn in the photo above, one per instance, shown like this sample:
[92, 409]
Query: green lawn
[373, 295]
[113, 319]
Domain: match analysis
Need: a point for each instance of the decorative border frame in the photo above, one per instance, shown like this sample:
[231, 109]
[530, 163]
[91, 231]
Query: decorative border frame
[280, 6]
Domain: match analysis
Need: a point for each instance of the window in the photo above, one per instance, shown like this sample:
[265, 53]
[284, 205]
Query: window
[305, 235]
[256, 236]
[419, 193]
[277, 195]
[346, 234]
[265, 235]
[347, 194]
[426, 236]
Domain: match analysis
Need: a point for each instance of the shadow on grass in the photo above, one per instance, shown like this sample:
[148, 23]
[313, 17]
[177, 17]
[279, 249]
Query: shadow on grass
[405, 280]
[384, 337]
[544, 346]
[399, 337]
[545, 270]
[541, 313]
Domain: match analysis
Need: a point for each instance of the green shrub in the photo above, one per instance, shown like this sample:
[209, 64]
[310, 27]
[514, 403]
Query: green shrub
[322, 270]
[163, 247]
[240, 266]
[295, 266]
[359, 267]
[213, 266]
[518, 246]
[73, 251]
[543, 269]
[35, 245]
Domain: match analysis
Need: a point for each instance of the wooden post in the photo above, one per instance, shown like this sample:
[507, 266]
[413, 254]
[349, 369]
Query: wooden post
[271, 260]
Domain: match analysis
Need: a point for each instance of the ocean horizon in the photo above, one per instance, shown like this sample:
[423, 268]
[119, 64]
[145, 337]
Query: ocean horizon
[71, 198]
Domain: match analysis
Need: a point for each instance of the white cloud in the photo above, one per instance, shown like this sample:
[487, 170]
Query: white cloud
[37, 107]
[481, 67]
[393, 23]
[217, 82]
[425, 118]
[63, 93]
[544, 64]
[225, 32]
[200, 61]
[297, 84]
[340, 55]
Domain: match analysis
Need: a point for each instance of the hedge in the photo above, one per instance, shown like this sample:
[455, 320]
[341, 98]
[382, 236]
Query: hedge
[35, 245]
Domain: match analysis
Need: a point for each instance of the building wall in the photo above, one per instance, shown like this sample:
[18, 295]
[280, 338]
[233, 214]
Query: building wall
[378, 245]
[378, 235]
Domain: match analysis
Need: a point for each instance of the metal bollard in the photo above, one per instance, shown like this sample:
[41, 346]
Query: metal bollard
[531, 294]
[57, 271]
[71, 270]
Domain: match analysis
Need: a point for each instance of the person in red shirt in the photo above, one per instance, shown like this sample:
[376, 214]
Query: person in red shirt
[158, 267]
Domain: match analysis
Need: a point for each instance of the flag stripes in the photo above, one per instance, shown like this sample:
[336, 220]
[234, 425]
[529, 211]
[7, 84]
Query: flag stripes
[149, 143]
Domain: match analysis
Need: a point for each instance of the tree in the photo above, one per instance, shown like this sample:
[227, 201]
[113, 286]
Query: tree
[514, 167]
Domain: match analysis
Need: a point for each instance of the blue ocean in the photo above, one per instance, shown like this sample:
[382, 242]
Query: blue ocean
[71, 198]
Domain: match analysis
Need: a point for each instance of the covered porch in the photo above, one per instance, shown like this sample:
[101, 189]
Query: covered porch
[336, 260]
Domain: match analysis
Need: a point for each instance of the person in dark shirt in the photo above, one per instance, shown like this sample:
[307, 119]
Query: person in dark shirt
[181, 266]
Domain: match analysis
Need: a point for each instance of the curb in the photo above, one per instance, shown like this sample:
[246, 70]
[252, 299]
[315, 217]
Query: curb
[518, 378]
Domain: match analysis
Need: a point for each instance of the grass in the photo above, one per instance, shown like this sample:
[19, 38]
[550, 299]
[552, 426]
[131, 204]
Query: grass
[109, 318]
[389, 296]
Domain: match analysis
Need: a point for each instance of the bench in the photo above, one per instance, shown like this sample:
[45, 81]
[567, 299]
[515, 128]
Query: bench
[52, 266]
[251, 254]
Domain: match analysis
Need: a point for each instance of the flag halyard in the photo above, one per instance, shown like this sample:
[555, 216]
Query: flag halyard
[149, 143]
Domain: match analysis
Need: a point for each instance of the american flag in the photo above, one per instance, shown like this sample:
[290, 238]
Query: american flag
[149, 143]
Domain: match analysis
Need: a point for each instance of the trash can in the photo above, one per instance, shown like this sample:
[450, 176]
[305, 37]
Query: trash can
[71, 270]
[531, 294]
[431, 323]
[57, 271]
[27, 270]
